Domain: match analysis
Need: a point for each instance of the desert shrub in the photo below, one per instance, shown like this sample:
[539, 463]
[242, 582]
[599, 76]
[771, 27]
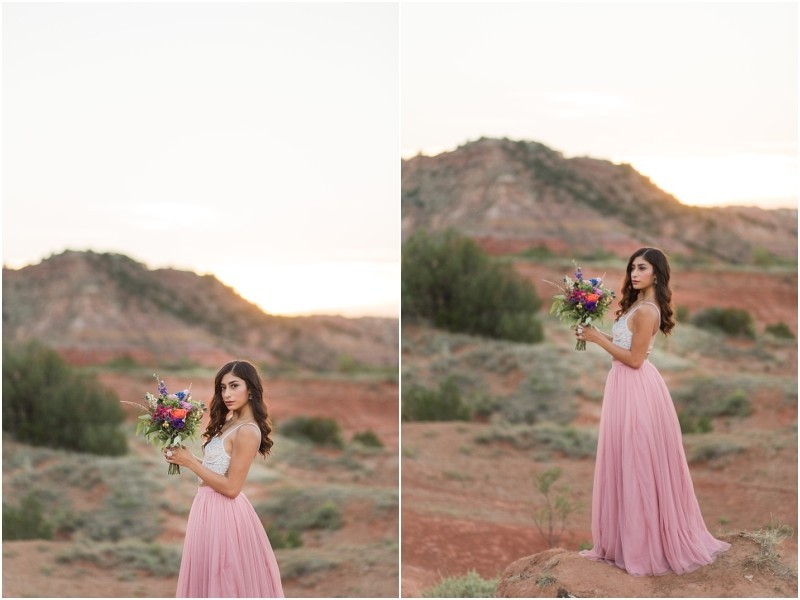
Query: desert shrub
[300, 510]
[322, 431]
[26, 521]
[152, 558]
[42, 394]
[470, 585]
[449, 280]
[710, 397]
[442, 404]
[571, 441]
[730, 321]
[280, 537]
[368, 438]
[540, 397]
[779, 330]
[690, 424]
[711, 448]
[302, 563]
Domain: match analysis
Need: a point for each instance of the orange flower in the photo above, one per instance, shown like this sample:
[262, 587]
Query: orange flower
[178, 413]
[593, 297]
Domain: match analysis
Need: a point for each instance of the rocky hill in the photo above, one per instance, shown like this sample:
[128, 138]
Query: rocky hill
[97, 307]
[518, 195]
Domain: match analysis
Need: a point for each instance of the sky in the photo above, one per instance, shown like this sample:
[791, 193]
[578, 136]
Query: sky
[258, 142]
[700, 97]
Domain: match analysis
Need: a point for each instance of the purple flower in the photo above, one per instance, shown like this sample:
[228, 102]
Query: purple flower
[177, 423]
[590, 306]
[162, 389]
[579, 274]
[186, 405]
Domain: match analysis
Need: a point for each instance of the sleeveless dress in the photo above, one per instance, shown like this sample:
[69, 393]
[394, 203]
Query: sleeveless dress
[226, 553]
[645, 516]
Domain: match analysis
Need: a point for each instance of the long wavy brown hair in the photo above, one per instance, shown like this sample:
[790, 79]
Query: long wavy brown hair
[219, 412]
[662, 272]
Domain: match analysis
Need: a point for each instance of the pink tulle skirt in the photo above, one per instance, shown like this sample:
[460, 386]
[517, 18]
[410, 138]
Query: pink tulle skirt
[645, 516]
[226, 553]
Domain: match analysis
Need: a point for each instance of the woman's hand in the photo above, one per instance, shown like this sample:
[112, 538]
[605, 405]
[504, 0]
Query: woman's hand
[180, 455]
[589, 333]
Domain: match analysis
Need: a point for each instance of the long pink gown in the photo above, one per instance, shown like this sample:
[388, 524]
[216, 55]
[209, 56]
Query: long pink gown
[226, 553]
[645, 516]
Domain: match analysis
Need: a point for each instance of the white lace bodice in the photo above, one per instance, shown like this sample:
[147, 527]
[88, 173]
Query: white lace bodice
[622, 336]
[215, 457]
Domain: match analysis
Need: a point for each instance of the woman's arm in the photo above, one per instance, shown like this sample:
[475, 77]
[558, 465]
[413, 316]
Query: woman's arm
[246, 442]
[643, 324]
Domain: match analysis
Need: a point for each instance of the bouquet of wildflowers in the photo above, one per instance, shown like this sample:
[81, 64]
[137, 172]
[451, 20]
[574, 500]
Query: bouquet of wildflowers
[581, 302]
[170, 419]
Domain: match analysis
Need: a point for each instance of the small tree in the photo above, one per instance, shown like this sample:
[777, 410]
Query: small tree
[48, 403]
[551, 517]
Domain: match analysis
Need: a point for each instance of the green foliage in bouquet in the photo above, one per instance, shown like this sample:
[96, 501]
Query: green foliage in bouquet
[48, 403]
[447, 279]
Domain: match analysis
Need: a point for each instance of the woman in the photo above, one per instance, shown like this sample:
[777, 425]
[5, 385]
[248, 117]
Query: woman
[226, 552]
[645, 517]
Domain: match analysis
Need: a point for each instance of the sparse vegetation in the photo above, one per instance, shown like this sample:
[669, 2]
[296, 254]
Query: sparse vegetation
[153, 559]
[42, 393]
[322, 431]
[442, 404]
[557, 506]
[730, 321]
[768, 539]
[572, 441]
[470, 585]
[712, 447]
[301, 510]
[448, 280]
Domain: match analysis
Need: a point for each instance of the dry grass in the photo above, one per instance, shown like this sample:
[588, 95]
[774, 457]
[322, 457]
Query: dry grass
[768, 540]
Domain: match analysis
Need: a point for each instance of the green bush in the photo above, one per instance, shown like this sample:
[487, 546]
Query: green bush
[779, 330]
[368, 438]
[730, 321]
[691, 425]
[322, 431]
[444, 404]
[48, 403]
[470, 585]
[300, 510]
[449, 280]
[710, 397]
[26, 521]
[280, 538]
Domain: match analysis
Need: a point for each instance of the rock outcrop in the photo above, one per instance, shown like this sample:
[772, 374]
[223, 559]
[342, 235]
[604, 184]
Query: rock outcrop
[744, 571]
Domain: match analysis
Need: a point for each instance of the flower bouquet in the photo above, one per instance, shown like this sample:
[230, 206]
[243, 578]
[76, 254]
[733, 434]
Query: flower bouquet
[581, 302]
[170, 419]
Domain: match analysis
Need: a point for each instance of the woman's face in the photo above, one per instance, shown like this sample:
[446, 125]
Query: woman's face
[642, 274]
[233, 391]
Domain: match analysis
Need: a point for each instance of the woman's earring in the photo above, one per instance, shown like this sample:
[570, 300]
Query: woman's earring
[655, 281]
[250, 396]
